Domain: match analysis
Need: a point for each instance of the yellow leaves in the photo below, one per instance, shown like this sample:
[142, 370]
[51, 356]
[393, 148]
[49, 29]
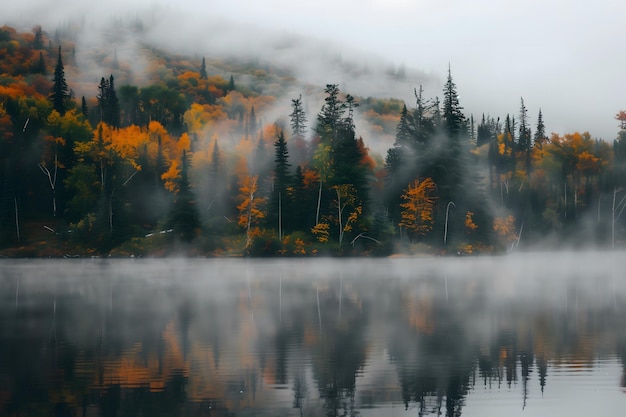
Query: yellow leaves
[170, 176]
[505, 229]
[588, 163]
[419, 201]
[321, 232]
[250, 206]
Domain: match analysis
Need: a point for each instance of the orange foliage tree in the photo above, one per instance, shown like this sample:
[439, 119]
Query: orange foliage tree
[419, 201]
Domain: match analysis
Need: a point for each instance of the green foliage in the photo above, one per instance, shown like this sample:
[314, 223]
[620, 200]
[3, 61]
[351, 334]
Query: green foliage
[110, 179]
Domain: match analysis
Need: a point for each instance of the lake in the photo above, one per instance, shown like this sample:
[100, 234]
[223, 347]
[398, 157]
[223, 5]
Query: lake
[529, 334]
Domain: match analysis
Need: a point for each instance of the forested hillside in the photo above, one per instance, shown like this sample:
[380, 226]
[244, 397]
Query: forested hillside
[160, 153]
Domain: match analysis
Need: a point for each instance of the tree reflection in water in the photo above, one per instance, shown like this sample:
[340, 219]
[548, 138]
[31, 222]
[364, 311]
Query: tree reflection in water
[215, 338]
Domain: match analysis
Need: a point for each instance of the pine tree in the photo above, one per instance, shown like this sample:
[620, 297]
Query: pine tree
[203, 73]
[540, 137]
[298, 118]
[282, 182]
[231, 84]
[330, 115]
[113, 104]
[60, 90]
[38, 41]
[108, 102]
[184, 217]
[40, 66]
[454, 120]
[405, 133]
[524, 142]
[83, 107]
[423, 122]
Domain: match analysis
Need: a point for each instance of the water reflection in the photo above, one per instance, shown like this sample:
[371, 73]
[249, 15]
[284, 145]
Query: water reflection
[311, 337]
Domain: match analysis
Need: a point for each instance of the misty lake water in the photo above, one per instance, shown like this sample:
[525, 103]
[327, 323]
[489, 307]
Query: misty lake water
[529, 334]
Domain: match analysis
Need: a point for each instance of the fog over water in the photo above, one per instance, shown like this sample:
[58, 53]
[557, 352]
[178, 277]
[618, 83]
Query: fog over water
[530, 334]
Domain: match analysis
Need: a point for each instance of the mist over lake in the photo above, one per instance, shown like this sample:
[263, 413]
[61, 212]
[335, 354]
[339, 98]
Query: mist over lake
[530, 334]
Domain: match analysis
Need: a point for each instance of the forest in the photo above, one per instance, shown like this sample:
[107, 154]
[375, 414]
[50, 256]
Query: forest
[189, 155]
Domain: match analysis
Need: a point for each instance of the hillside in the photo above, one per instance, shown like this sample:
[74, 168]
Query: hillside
[123, 147]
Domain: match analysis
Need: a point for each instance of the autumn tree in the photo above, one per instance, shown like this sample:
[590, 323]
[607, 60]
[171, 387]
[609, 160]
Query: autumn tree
[349, 209]
[251, 207]
[60, 91]
[417, 208]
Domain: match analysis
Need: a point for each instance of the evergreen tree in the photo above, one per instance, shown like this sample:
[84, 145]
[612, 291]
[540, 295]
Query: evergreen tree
[282, 182]
[540, 137]
[298, 118]
[524, 142]
[203, 73]
[40, 66]
[108, 103]
[231, 84]
[455, 125]
[423, 122]
[60, 90]
[38, 41]
[330, 115]
[184, 217]
[83, 107]
[113, 104]
[405, 133]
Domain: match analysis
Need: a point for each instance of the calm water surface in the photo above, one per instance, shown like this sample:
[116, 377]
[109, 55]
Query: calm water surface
[523, 335]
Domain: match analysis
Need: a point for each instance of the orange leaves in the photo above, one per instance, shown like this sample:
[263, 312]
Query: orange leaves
[505, 229]
[321, 232]
[419, 200]
[588, 163]
[250, 212]
[470, 226]
[621, 117]
[310, 179]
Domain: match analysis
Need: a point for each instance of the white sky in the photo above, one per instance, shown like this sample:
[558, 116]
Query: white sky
[565, 57]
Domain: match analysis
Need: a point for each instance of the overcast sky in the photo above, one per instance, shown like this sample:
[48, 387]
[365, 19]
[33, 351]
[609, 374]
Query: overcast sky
[565, 57]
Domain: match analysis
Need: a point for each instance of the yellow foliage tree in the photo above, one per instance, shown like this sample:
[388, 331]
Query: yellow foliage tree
[419, 201]
[250, 212]
[505, 229]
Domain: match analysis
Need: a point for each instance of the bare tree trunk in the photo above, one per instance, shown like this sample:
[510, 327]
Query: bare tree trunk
[17, 221]
[319, 201]
[52, 180]
[339, 210]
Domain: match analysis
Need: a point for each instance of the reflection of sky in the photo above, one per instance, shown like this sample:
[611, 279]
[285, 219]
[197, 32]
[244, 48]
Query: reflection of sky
[569, 392]
[414, 315]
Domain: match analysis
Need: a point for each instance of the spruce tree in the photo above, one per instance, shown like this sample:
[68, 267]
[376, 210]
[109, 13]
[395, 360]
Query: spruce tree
[184, 217]
[330, 115]
[525, 138]
[298, 118]
[40, 66]
[83, 107]
[282, 182]
[540, 134]
[454, 121]
[203, 73]
[60, 90]
[38, 41]
[113, 104]
[405, 134]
